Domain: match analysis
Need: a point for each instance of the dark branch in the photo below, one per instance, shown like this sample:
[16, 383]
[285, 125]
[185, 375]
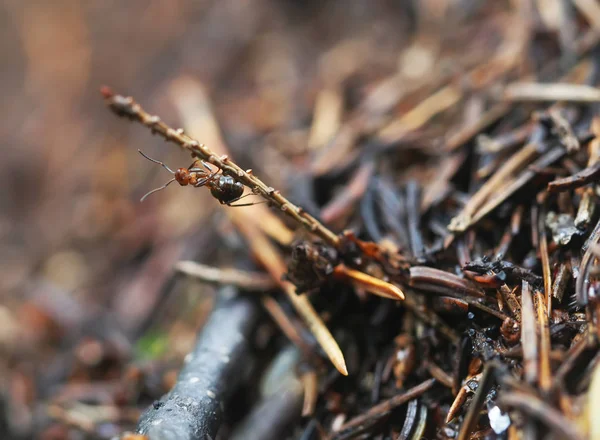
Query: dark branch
[193, 409]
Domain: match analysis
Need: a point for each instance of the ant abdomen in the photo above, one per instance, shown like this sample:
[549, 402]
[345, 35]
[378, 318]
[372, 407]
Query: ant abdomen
[226, 189]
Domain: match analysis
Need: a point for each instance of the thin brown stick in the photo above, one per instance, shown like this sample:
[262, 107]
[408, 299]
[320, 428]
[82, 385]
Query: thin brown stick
[537, 408]
[545, 373]
[572, 356]
[512, 187]
[484, 384]
[127, 107]
[436, 280]
[347, 199]
[517, 162]
[545, 257]
[439, 374]
[429, 317]
[389, 404]
[585, 176]
[284, 323]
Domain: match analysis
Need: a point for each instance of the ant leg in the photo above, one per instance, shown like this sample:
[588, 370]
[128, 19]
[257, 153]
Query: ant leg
[238, 198]
[205, 180]
[244, 204]
[205, 165]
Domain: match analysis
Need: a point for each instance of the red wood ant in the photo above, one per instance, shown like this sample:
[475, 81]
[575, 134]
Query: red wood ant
[223, 188]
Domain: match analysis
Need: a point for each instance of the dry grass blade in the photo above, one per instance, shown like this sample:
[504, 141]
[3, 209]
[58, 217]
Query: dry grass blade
[544, 256]
[513, 186]
[423, 112]
[551, 92]
[327, 117]
[367, 282]
[545, 373]
[529, 339]
[311, 393]
[271, 259]
[242, 279]
[517, 162]
[349, 197]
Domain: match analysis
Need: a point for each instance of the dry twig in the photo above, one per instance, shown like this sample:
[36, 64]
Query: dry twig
[127, 107]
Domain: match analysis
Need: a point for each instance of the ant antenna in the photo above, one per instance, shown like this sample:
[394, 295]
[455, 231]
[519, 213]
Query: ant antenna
[162, 165]
[159, 188]
[158, 162]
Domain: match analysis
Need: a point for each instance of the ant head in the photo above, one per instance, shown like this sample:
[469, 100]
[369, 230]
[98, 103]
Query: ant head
[183, 176]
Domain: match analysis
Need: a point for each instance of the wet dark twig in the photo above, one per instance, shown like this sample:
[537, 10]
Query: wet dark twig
[193, 409]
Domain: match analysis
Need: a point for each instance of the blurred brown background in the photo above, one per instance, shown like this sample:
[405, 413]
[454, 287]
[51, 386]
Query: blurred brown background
[81, 260]
[71, 175]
